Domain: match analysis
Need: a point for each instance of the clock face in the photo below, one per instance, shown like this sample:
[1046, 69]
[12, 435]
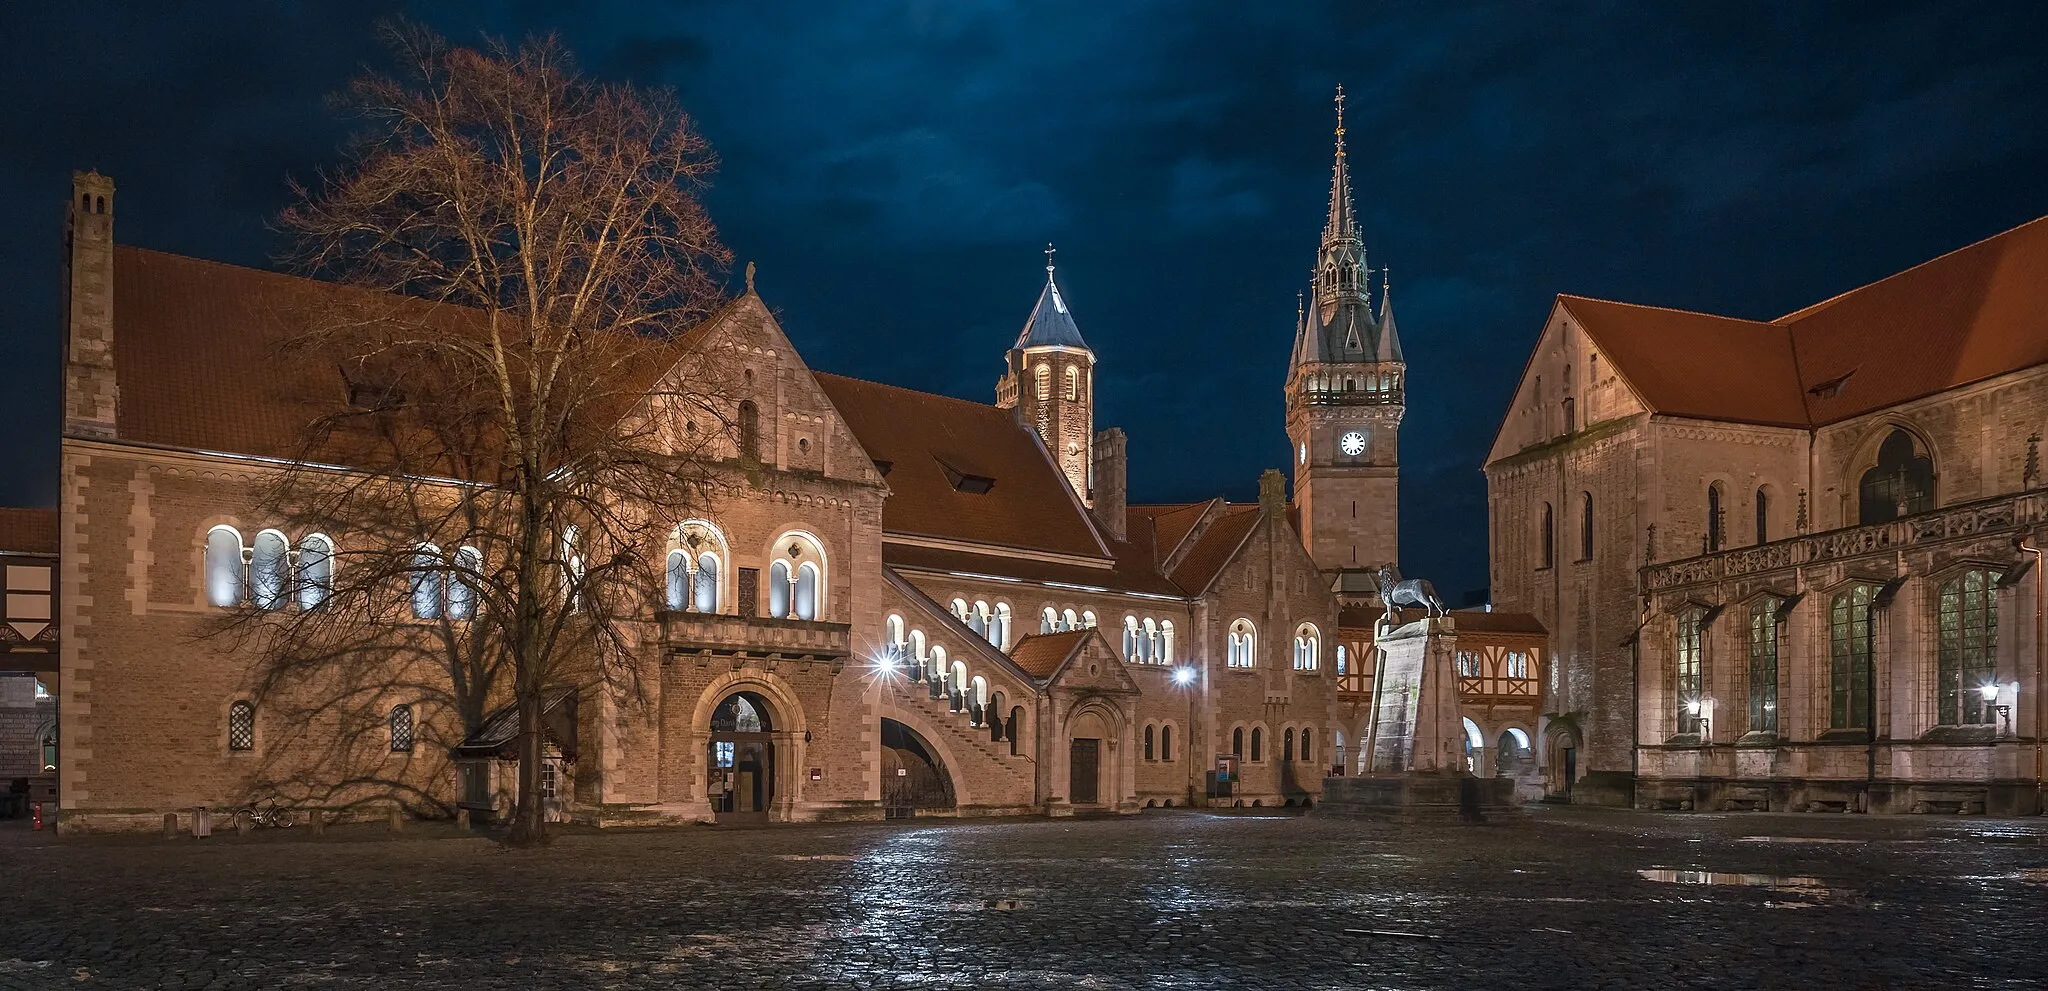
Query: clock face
[1352, 443]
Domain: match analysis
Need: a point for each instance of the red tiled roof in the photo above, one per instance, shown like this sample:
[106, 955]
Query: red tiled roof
[1168, 525]
[920, 436]
[1130, 572]
[1694, 364]
[1215, 548]
[1041, 654]
[1969, 315]
[28, 531]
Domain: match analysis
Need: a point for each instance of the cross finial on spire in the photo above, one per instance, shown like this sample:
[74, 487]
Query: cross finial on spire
[1340, 118]
[1049, 252]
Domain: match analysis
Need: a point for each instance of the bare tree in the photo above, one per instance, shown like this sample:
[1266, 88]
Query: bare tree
[518, 273]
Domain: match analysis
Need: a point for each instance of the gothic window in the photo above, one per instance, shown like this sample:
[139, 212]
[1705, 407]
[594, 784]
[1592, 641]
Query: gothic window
[468, 578]
[1585, 526]
[401, 729]
[1258, 748]
[1073, 384]
[807, 591]
[1717, 536]
[750, 430]
[1763, 666]
[1241, 651]
[1150, 752]
[1691, 675]
[1900, 484]
[269, 566]
[241, 726]
[1849, 655]
[1042, 380]
[424, 580]
[572, 567]
[1548, 549]
[1307, 745]
[1763, 517]
[1166, 743]
[1287, 746]
[1237, 743]
[1968, 665]
[316, 571]
[224, 572]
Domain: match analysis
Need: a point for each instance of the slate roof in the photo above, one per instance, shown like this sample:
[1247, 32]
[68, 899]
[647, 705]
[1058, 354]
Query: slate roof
[926, 440]
[28, 531]
[1050, 324]
[1969, 315]
[498, 736]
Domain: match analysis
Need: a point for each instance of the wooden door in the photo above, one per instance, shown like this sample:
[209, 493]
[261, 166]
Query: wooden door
[1081, 787]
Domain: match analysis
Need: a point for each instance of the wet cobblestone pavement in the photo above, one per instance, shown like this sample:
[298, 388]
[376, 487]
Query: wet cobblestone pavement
[1572, 897]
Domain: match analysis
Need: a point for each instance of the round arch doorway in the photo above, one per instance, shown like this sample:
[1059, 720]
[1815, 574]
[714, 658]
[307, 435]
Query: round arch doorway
[741, 782]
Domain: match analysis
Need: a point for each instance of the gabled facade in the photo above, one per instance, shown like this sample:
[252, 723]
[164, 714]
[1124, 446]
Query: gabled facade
[898, 603]
[1685, 499]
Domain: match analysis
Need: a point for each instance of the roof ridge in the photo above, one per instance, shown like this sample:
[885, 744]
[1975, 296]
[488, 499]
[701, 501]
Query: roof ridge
[1667, 309]
[904, 388]
[1812, 308]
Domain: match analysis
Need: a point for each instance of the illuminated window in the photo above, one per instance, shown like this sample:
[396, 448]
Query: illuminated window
[424, 580]
[1042, 380]
[224, 572]
[1763, 666]
[1307, 646]
[269, 570]
[1241, 651]
[1690, 676]
[467, 580]
[1849, 647]
[1968, 617]
[1073, 384]
[316, 571]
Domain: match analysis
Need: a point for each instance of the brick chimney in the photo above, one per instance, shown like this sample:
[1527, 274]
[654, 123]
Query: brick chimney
[1111, 475]
[90, 393]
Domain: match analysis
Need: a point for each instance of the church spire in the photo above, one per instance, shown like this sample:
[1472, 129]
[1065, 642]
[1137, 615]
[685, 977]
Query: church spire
[1341, 225]
[1390, 341]
[1340, 265]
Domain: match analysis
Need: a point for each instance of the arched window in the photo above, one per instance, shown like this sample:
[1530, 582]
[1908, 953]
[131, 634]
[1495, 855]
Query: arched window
[1287, 746]
[316, 571]
[706, 597]
[1150, 752]
[797, 587]
[778, 589]
[1307, 645]
[1717, 535]
[462, 592]
[750, 430]
[401, 729]
[1042, 378]
[224, 572]
[1087, 619]
[1068, 621]
[999, 634]
[1849, 646]
[1475, 744]
[1763, 517]
[1900, 484]
[1237, 743]
[1073, 384]
[1307, 745]
[920, 661]
[1691, 677]
[1343, 661]
[893, 631]
[977, 700]
[1131, 638]
[1166, 641]
[1258, 748]
[1585, 526]
[1968, 620]
[1242, 650]
[424, 580]
[1048, 620]
[678, 580]
[269, 570]
[1548, 550]
[1166, 743]
[1151, 641]
[1763, 666]
[982, 620]
[241, 726]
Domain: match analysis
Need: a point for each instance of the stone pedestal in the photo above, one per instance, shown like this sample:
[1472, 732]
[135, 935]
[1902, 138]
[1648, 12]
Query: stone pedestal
[1415, 741]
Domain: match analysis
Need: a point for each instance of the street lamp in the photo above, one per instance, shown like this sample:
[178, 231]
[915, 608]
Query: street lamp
[1183, 677]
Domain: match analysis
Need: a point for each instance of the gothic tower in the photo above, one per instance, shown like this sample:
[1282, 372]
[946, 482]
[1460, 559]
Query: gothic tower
[1050, 383]
[1345, 398]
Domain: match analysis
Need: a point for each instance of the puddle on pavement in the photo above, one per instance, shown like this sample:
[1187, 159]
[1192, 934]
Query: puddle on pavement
[992, 905]
[815, 856]
[1796, 839]
[1805, 892]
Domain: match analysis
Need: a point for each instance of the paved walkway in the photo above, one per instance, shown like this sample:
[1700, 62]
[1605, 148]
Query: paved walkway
[1572, 898]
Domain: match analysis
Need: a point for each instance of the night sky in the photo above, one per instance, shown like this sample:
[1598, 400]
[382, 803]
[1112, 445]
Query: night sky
[895, 169]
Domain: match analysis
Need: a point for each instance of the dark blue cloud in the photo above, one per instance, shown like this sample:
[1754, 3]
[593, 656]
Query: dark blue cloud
[895, 167]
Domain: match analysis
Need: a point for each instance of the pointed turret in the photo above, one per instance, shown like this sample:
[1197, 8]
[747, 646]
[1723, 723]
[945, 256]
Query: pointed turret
[1050, 383]
[1390, 340]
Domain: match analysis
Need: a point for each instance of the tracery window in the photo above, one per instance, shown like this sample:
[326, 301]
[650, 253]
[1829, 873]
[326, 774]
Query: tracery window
[1691, 676]
[1242, 642]
[1307, 645]
[1900, 484]
[1968, 656]
[1849, 655]
[796, 579]
[1763, 666]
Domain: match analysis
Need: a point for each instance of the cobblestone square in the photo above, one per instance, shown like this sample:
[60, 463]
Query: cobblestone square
[1569, 898]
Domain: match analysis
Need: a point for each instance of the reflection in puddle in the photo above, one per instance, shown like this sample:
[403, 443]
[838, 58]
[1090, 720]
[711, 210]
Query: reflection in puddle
[992, 905]
[1795, 839]
[815, 856]
[1806, 890]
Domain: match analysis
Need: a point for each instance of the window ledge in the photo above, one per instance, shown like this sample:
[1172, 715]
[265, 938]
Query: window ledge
[1758, 738]
[1971, 733]
[1846, 735]
[1684, 740]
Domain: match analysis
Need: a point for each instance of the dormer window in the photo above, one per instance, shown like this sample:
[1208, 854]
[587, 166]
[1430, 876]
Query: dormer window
[966, 481]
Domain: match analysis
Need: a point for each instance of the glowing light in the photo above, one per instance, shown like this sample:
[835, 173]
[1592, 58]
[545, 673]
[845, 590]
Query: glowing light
[1693, 707]
[1183, 676]
[1990, 692]
[886, 663]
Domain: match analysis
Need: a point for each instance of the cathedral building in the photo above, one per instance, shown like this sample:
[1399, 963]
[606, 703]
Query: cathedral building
[907, 604]
[1790, 564]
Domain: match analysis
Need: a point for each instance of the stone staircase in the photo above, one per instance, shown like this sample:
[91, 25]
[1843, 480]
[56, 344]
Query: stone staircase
[971, 743]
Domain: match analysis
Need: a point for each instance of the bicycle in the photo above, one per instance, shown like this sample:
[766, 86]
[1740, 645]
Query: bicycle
[274, 816]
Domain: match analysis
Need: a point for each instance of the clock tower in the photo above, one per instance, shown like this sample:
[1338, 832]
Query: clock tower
[1345, 398]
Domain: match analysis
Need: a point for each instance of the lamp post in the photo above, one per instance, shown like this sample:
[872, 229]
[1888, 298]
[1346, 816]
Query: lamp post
[1184, 679]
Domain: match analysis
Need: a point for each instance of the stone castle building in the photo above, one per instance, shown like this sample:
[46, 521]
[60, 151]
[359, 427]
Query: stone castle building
[1788, 564]
[913, 604]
